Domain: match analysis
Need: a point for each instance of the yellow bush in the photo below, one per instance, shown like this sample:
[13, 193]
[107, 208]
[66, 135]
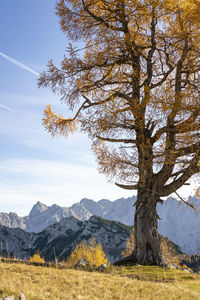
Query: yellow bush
[37, 258]
[92, 252]
[130, 244]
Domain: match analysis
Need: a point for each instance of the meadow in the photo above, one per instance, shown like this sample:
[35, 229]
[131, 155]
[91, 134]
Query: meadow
[114, 283]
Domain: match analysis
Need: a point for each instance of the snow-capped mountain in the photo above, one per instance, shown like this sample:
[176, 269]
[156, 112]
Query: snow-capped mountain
[59, 239]
[179, 223]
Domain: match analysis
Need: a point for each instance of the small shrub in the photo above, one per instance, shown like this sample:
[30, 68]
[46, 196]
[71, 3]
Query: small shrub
[37, 258]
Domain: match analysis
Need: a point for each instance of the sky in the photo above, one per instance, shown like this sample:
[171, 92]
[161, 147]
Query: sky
[33, 165]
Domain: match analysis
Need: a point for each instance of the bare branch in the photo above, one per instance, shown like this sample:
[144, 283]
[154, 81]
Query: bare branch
[126, 141]
[127, 187]
[187, 203]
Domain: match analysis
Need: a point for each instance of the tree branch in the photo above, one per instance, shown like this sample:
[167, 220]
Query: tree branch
[126, 141]
[99, 19]
[176, 184]
[188, 204]
[127, 187]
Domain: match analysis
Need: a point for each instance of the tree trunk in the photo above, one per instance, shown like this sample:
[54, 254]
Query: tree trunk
[147, 249]
[147, 240]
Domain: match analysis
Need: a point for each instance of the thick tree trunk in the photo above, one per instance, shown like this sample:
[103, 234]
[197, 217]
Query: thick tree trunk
[147, 240]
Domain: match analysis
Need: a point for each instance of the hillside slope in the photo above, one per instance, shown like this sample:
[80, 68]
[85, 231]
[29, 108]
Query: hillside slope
[58, 240]
[119, 284]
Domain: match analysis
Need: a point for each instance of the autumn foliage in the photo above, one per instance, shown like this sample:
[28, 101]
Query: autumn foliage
[93, 252]
[134, 89]
[36, 258]
[130, 244]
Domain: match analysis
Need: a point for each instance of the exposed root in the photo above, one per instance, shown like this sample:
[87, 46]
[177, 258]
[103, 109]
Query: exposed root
[126, 261]
[131, 260]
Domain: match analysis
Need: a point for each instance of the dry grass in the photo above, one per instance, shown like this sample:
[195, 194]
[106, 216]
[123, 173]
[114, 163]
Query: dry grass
[39, 283]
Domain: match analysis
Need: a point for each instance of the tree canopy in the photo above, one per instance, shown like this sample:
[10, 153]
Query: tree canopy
[134, 89]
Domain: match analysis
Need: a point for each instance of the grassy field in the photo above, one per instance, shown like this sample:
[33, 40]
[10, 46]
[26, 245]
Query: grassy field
[41, 283]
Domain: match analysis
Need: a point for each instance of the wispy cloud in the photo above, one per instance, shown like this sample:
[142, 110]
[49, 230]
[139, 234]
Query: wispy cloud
[6, 107]
[17, 63]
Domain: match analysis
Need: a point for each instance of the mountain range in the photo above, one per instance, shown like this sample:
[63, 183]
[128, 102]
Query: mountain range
[58, 240]
[41, 215]
[178, 222]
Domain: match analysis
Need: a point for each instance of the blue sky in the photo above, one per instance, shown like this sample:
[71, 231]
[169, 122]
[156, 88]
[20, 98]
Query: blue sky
[35, 167]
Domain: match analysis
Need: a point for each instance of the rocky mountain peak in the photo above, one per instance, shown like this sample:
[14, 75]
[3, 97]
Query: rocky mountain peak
[39, 207]
[105, 202]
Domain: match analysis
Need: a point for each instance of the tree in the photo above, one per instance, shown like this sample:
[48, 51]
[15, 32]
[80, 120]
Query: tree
[134, 89]
[93, 252]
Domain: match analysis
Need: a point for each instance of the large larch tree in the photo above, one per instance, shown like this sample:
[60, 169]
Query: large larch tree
[133, 87]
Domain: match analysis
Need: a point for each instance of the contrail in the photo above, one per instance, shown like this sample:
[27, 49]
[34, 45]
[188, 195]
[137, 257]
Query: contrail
[6, 107]
[14, 61]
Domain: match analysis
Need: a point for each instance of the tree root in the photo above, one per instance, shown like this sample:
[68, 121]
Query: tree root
[131, 260]
[126, 261]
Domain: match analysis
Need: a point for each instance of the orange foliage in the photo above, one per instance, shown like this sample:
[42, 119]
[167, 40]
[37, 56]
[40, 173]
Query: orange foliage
[92, 252]
[139, 93]
[134, 89]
